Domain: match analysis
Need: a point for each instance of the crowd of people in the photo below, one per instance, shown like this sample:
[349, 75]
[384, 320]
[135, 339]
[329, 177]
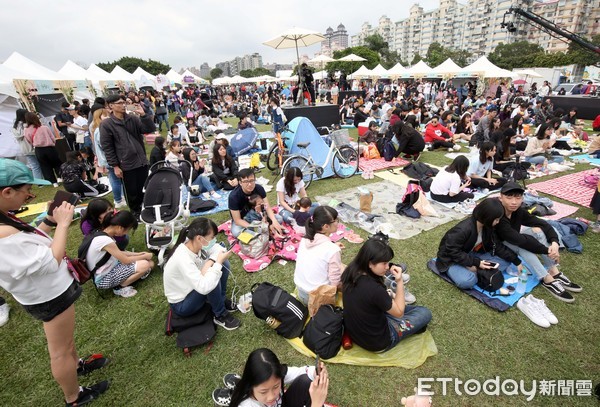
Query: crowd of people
[108, 138]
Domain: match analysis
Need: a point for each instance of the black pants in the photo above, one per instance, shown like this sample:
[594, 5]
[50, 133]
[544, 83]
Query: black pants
[2, 301]
[49, 162]
[297, 394]
[461, 196]
[81, 188]
[133, 182]
[439, 143]
[482, 183]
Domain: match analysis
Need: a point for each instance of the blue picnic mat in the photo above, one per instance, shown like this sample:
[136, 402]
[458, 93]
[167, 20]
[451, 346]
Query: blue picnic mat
[586, 157]
[222, 204]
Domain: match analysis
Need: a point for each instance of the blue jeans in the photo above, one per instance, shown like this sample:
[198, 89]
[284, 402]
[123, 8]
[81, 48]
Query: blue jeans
[288, 216]
[539, 159]
[465, 279]
[162, 118]
[116, 184]
[414, 319]
[204, 182]
[252, 216]
[194, 301]
[34, 166]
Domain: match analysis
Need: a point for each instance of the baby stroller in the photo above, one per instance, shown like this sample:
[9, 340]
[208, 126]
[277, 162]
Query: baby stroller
[164, 211]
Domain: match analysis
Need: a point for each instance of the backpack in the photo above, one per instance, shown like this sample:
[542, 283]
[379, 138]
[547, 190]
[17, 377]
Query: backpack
[202, 205]
[420, 171]
[192, 331]
[274, 303]
[489, 279]
[516, 172]
[389, 151]
[324, 331]
[411, 195]
[78, 267]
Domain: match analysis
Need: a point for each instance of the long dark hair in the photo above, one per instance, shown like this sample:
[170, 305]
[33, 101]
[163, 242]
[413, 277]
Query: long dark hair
[505, 143]
[124, 219]
[20, 117]
[323, 215]
[460, 165]
[485, 148]
[95, 208]
[373, 251]
[216, 158]
[262, 364]
[288, 181]
[198, 227]
[541, 133]
[487, 211]
[515, 123]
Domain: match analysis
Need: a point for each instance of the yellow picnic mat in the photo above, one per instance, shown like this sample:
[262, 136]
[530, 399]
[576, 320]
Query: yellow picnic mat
[33, 209]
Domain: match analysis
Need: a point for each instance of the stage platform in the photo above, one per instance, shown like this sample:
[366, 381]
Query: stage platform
[320, 115]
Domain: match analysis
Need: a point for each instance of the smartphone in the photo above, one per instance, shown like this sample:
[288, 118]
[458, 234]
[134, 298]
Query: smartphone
[493, 264]
[130, 108]
[60, 197]
[317, 365]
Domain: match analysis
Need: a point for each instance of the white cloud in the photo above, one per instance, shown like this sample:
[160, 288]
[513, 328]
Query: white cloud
[179, 33]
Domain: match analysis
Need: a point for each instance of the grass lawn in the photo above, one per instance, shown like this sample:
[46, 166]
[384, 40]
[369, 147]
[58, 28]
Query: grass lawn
[474, 341]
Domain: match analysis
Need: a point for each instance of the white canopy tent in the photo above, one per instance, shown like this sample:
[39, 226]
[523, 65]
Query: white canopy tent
[174, 77]
[98, 74]
[362, 72]
[420, 69]
[144, 78]
[197, 79]
[447, 68]
[397, 71]
[528, 72]
[73, 71]
[484, 67]
[121, 74]
[25, 65]
[9, 103]
[379, 72]
[320, 75]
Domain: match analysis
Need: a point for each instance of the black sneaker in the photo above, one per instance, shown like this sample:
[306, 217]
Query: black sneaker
[556, 289]
[222, 397]
[230, 305]
[91, 363]
[231, 380]
[227, 321]
[89, 394]
[567, 284]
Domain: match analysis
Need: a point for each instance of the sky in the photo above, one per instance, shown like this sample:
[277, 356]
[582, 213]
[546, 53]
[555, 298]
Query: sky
[176, 32]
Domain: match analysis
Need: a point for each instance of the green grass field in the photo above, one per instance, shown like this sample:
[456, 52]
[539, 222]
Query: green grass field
[474, 341]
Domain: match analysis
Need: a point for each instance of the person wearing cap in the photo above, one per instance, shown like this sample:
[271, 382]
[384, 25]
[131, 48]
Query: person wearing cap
[122, 139]
[530, 237]
[63, 119]
[35, 273]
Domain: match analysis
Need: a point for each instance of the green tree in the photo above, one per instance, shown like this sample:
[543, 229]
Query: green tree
[436, 54]
[416, 59]
[130, 64]
[583, 56]
[387, 57]
[215, 73]
[372, 59]
[520, 54]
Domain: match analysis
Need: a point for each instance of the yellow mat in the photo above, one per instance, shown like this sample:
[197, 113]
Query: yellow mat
[33, 209]
[397, 176]
[409, 354]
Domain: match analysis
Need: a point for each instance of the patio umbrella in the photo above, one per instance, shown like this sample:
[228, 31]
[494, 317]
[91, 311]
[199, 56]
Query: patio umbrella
[352, 58]
[321, 59]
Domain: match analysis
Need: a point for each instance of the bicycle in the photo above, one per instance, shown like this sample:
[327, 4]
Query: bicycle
[278, 151]
[343, 158]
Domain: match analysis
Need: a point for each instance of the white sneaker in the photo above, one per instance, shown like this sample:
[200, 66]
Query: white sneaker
[121, 204]
[405, 278]
[531, 311]
[4, 310]
[543, 309]
[55, 185]
[215, 195]
[125, 292]
[456, 147]
[451, 149]
[206, 195]
[409, 298]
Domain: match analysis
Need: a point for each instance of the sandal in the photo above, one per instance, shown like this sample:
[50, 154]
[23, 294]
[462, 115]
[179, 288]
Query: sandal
[352, 237]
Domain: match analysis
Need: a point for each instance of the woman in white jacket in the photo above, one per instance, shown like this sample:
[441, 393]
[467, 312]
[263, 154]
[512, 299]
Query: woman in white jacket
[196, 273]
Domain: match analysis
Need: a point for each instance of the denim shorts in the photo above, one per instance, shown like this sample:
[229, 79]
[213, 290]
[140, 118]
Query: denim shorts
[48, 310]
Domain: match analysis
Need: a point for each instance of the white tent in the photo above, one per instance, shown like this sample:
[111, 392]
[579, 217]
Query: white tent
[379, 72]
[25, 65]
[447, 68]
[528, 72]
[397, 71]
[174, 77]
[143, 78]
[420, 69]
[121, 74]
[8, 105]
[197, 79]
[74, 72]
[99, 74]
[7, 75]
[320, 75]
[362, 72]
[484, 67]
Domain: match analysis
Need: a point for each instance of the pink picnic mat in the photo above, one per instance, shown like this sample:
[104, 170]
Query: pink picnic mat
[286, 249]
[568, 187]
[380, 164]
[562, 211]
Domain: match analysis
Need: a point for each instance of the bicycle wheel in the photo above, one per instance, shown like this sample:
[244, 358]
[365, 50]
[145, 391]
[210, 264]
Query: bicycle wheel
[273, 157]
[304, 166]
[345, 162]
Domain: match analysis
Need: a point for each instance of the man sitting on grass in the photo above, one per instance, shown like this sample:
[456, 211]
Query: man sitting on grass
[540, 239]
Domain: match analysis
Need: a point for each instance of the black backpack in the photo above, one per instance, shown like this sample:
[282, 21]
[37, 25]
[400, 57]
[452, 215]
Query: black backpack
[419, 171]
[490, 279]
[192, 331]
[324, 331]
[202, 205]
[269, 300]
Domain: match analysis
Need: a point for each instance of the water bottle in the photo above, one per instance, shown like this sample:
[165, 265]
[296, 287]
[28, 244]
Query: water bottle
[522, 284]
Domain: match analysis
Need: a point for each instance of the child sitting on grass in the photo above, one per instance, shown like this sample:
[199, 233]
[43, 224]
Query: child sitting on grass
[302, 214]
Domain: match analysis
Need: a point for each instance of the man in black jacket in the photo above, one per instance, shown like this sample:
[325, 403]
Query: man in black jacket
[539, 238]
[122, 139]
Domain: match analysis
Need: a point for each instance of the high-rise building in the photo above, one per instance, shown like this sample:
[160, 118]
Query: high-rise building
[205, 70]
[334, 40]
[239, 64]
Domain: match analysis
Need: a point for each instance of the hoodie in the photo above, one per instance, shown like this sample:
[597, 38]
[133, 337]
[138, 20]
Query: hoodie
[319, 262]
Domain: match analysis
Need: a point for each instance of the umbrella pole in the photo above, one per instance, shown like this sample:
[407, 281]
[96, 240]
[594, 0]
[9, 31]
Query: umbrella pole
[300, 95]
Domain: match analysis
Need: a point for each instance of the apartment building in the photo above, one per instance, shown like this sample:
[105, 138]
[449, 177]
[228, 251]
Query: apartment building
[334, 40]
[238, 64]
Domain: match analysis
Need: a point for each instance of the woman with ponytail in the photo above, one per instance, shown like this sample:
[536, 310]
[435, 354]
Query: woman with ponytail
[319, 260]
[122, 268]
[196, 273]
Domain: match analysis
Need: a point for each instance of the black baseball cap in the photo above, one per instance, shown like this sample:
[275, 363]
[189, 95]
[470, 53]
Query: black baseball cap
[512, 187]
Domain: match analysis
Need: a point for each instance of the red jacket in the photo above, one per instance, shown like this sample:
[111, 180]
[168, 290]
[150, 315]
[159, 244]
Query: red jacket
[433, 133]
[596, 123]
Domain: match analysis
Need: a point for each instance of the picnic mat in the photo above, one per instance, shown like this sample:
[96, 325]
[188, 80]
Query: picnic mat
[222, 203]
[383, 215]
[499, 303]
[568, 187]
[410, 353]
[562, 211]
[586, 158]
[450, 205]
[285, 250]
[380, 164]
[33, 209]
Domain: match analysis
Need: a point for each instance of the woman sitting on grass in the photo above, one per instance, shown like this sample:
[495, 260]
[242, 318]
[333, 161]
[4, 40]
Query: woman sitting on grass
[122, 268]
[450, 183]
[93, 216]
[158, 152]
[197, 168]
[174, 153]
[374, 320]
[225, 169]
[74, 176]
[473, 244]
[480, 168]
[290, 189]
[319, 260]
[539, 148]
[263, 384]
